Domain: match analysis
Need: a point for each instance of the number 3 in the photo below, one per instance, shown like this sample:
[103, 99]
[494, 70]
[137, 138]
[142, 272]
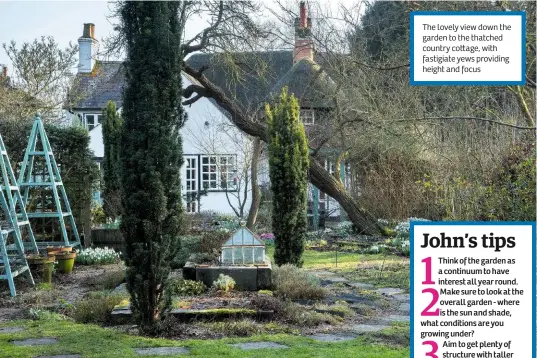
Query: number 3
[434, 349]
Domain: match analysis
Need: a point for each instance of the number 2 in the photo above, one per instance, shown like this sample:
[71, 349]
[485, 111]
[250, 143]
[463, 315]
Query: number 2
[436, 296]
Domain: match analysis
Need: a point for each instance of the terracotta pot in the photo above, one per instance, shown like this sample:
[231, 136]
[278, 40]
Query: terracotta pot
[56, 249]
[64, 255]
[39, 260]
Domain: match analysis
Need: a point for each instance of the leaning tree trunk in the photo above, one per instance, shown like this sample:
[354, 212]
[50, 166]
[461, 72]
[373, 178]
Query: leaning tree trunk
[363, 221]
[256, 192]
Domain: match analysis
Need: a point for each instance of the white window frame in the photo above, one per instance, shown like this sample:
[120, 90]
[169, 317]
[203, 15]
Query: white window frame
[97, 118]
[216, 173]
[307, 116]
[191, 181]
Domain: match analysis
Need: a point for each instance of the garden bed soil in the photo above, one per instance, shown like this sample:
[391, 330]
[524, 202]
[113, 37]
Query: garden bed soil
[70, 288]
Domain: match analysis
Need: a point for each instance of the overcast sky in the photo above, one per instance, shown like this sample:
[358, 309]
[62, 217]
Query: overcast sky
[23, 21]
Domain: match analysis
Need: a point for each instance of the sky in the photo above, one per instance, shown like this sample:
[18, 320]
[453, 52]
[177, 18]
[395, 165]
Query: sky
[24, 21]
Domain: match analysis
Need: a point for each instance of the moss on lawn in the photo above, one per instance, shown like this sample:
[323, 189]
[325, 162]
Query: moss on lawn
[95, 342]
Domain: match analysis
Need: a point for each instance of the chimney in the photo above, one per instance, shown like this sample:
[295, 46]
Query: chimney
[303, 41]
[87, 49]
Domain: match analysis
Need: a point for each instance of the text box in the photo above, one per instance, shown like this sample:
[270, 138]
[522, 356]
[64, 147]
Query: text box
[472, 289]
[467, 48]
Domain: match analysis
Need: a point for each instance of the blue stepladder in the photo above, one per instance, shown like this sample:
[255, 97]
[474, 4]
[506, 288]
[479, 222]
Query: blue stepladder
[39, 153]
[14, 227]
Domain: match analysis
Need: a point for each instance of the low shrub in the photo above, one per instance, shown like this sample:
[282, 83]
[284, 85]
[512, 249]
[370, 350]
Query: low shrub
[110, 279]
[203, 257]
[291, 282]
[340, 308]
[211, 241]
[267, 238]
[267, 303]
[224, 283]
[37, 314]
[203, 247]
[180, 287]
[96, 308]
[97, 256]
[184, 247]
[301, 316]
[240, 328]
[344, 229]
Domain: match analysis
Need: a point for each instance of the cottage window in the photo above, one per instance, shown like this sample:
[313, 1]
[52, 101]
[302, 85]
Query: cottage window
[191, 178]
[92, 120]
[307, 116]
[218, 171]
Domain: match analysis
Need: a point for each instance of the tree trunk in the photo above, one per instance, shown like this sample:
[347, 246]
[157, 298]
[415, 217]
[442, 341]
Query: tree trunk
[363, 221]
[256, 192]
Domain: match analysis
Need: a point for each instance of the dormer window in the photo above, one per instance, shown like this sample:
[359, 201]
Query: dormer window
[92, 120]
[307, 116]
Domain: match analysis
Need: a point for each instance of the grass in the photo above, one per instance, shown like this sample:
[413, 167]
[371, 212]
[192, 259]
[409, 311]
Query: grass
[322, 260]
[247, 328]
[381, 270]
[95, 342]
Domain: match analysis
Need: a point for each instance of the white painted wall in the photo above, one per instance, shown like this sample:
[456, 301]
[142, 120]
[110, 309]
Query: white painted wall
[207, 131]
[96, 141]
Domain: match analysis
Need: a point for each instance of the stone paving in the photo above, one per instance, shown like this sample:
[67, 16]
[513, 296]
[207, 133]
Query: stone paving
[257, 345]
[11, 330]
[398, 312]
[161, 351]
[389, 291]
[331, 337]
[364, 328]
[35, 341]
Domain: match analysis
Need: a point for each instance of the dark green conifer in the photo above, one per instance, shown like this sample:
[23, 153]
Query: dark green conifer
[151, 153]
[111, 164]
[289, 163]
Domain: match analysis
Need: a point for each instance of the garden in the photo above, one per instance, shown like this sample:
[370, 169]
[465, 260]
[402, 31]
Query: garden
[318, 263]
[347, 293]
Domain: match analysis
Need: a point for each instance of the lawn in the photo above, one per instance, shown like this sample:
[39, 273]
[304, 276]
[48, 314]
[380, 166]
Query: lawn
[381, 270]
[94, 341]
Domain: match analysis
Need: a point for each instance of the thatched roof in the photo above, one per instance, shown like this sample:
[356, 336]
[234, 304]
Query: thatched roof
[309, 83]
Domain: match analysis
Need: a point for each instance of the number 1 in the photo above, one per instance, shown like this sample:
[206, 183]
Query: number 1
[428, 272]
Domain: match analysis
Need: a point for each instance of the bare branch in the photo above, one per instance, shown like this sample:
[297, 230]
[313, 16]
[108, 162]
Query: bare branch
[466, 118]
[204, 36]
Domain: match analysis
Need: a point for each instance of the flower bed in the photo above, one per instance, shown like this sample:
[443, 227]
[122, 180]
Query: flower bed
[97, 256]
